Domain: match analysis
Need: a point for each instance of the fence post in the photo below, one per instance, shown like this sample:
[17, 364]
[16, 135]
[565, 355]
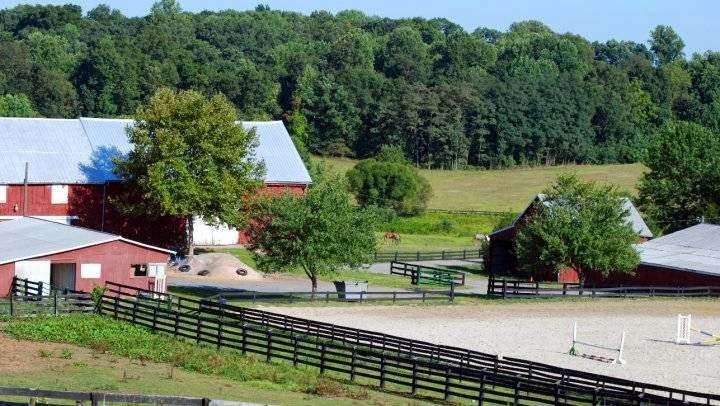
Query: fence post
[115, 306]
[452, 292]
[244, 338]
[517, 391]
[55, 302]
[481, 392]
[322, 358]
[443, 254]
[12, 305]
[177, 322]
[382, 369]
[418, 256]
[198, 329]
[446, 393]
[394, 295]
[414, 378]
[423, 296]
[353, 359]
[504, 288]
[219, 333]
[295, 351]
[268, 334]
[464, 256]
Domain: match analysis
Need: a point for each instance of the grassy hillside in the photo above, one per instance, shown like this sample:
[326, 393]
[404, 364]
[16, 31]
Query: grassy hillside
[505, 189]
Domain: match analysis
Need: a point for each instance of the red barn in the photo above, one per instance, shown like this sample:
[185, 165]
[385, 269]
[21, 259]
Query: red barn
[70, 257]
[70, 176]
[501, 258]
[688, 257]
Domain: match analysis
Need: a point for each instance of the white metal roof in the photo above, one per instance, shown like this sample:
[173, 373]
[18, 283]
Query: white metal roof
[72, 151]
[694, 249]
[28, 237]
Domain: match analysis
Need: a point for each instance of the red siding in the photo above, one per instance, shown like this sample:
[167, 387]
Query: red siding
[115, 258]
[85, 202]
[657, 276]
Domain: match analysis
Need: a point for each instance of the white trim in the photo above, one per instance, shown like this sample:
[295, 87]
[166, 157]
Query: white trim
[152, 247]
[3, 193]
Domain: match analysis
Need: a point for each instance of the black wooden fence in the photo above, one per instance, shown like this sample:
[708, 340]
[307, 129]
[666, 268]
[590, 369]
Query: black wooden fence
[470, 253]
[416, 366]
[513, 288]
[102, 398]
[27, 287]
[423, 275]
[332, 296]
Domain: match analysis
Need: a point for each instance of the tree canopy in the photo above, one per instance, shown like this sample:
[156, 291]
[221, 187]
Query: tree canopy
[578, 225]
[682, 186]
[190, 158]
[318, 233]
[389, 181]
[349, 83]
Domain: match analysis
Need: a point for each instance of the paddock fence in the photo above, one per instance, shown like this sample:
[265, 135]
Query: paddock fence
[35, 300]
[514, 288]
[469, 253]
[25, 287]
[40, 396]
[418, 367]
[424, 275]
[332, 296]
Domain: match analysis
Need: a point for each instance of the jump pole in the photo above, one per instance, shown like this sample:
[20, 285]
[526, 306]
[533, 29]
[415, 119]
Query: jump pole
[619, 360]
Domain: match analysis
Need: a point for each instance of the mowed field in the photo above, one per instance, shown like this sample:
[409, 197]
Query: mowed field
[505, 189]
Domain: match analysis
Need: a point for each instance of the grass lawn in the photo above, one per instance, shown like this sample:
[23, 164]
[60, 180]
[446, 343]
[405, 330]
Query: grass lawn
[101, 354]
[427, 242]
[505, 189]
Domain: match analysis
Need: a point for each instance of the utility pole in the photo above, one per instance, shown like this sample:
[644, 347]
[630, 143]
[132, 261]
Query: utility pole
[25, 191]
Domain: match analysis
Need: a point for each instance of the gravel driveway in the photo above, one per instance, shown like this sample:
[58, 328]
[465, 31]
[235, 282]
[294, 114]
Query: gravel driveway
[542, 332]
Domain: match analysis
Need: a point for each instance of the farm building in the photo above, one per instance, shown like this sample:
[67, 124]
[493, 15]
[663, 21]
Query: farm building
[76, 258]
[70, 176]
[502, 260]
[688, 257]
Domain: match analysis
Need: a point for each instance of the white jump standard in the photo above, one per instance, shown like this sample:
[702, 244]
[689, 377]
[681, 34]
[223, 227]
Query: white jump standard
[684, 327]
[619, 350]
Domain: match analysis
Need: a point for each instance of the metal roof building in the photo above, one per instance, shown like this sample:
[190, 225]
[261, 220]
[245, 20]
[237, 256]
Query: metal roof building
[68, 257]
[29, 237]
[695, 249]
[80, 151]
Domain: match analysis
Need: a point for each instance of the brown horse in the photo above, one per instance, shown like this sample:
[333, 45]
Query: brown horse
[392, 236]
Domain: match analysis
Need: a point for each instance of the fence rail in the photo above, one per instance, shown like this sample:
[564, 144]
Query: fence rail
[422, 275]
[328, 296]
[470, 253]
[470, 211]
[55, 303]
[22, 286]
[413, 365]
[102, 398]
[512, 288]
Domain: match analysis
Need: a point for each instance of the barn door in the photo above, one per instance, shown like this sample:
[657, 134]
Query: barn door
[35, 271]
[158, 272]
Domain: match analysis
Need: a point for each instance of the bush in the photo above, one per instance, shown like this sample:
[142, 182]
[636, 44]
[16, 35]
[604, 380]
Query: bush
[389, 181]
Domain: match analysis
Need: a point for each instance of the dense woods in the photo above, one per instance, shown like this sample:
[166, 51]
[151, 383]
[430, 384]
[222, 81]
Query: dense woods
[347, 84]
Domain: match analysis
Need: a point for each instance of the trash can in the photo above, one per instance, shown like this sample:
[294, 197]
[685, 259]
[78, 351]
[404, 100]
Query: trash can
[350, 290]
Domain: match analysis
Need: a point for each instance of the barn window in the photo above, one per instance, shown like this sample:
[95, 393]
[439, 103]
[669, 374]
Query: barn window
[90, 271]
[59, 194]
[3, 193]
[139, 269]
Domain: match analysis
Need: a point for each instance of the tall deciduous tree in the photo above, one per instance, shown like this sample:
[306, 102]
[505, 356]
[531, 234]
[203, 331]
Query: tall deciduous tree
[16, 106]
[190, 158]
[666, 44]
[318, 233]
[683, 184]
[581, 226]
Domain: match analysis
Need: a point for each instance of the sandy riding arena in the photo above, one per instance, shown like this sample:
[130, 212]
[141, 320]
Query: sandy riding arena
[542, 332]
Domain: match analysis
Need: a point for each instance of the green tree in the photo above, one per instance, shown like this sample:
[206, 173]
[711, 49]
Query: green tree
[666, 44]
[319, 233]
[16, 106]
[190, 158]
[389, 181]
[683, 183]
[578, 225]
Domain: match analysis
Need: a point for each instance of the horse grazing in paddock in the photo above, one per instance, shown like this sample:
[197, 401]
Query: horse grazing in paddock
[481, 238]
[392, 236]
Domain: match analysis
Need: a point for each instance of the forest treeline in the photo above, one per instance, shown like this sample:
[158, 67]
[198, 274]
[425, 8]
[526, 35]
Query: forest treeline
[347, 83]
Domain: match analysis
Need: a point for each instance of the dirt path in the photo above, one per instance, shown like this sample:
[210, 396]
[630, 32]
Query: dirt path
[542, 332]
